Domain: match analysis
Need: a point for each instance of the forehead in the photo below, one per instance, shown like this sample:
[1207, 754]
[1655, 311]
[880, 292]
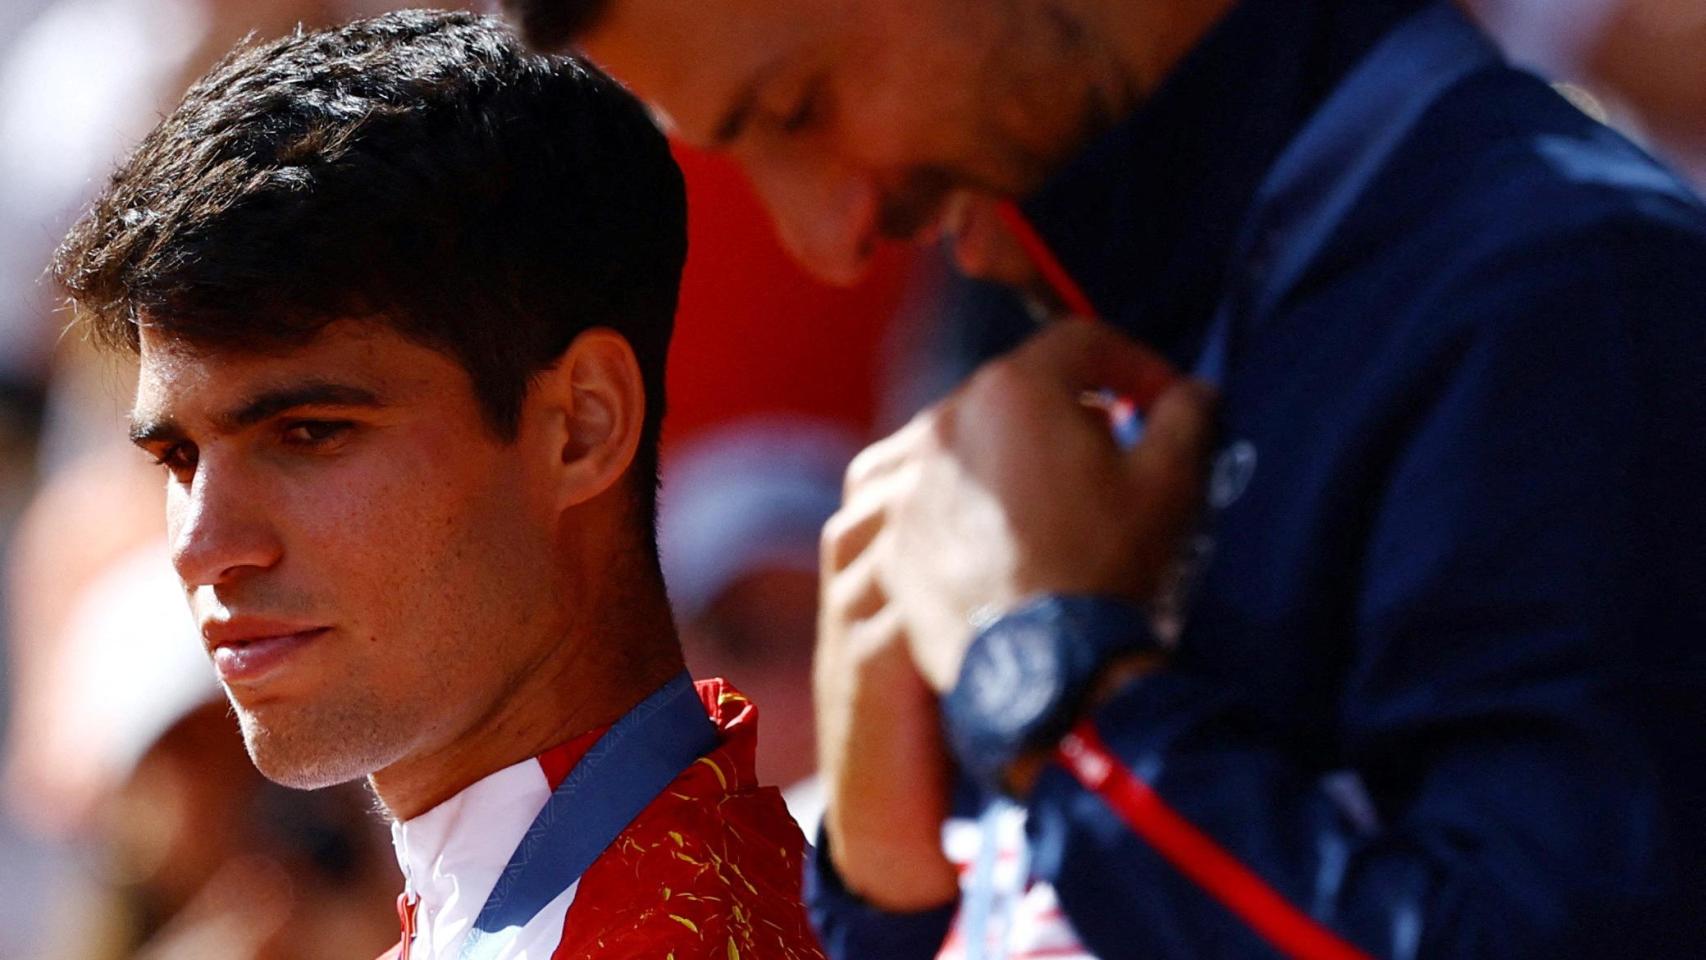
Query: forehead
[175, 374]
[696, 60]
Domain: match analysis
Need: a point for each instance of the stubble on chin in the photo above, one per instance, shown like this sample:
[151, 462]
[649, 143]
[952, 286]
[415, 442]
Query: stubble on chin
[311, 747]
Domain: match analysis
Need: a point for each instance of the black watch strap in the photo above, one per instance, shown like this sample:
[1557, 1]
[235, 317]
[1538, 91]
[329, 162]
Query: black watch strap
[1026, 674]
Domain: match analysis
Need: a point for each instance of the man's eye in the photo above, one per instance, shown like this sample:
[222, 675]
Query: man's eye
[315, 432]
[179, 459]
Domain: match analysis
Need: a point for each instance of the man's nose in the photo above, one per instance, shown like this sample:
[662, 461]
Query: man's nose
[826, 216]
[219, 529]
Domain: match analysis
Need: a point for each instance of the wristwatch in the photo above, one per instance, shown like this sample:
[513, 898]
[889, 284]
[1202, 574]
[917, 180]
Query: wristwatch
[1025, 676]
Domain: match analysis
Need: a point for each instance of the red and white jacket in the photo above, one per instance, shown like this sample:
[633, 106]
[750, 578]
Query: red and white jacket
[709, 869]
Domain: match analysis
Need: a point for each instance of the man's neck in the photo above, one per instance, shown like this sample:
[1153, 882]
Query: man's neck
[592, 679]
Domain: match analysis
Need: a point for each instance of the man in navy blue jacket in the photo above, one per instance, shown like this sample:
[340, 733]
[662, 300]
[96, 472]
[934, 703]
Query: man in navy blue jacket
[1438, 685]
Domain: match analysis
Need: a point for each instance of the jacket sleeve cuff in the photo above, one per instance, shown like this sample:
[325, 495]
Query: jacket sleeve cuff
[849, 928]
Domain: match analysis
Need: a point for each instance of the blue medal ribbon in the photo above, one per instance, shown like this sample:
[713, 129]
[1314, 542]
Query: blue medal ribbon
[627, 768]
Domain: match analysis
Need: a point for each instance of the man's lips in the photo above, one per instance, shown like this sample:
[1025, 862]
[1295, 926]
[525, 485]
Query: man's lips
[250, 651]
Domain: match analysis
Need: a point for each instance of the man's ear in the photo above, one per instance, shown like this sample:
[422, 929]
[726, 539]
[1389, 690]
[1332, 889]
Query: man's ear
[595, 402]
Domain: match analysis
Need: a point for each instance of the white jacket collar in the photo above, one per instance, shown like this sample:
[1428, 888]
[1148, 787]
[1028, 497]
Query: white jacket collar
[452, 854]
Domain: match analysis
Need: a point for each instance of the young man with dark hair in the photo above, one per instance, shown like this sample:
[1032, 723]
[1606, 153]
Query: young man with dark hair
[1439, 689]
[401, 294]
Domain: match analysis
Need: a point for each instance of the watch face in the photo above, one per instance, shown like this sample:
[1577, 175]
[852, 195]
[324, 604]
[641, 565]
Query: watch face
[1014, 678]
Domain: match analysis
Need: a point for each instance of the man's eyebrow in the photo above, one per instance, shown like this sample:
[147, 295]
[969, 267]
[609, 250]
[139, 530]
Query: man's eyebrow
[270, 403]
[739, 115]
[147, 428]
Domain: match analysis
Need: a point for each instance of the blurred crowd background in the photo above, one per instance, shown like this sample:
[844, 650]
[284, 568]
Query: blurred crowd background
[131, 824]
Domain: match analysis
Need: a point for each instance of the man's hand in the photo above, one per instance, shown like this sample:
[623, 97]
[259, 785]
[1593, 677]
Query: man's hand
[885, 771]
[1009, 488]
[1014, 487]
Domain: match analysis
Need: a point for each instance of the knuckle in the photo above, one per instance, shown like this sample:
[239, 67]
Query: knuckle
[834, 532]
[994, 382]
[875, 644]
[860, 469]
[849, 595]
[836, 548]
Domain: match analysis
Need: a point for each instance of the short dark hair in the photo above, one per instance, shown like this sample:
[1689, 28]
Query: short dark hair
[554, 24]
[420, 169]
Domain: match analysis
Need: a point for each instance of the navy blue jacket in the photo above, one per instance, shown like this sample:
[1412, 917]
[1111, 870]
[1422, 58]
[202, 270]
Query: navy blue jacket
[1442, 683]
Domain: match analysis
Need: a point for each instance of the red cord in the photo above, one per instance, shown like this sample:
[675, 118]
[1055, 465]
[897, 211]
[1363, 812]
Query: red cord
[1053, 273]
[1188, 849]
[1156, 377]
[1286, 928]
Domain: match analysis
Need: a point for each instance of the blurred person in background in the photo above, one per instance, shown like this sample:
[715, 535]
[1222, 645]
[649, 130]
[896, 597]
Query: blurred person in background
[765, 413]
[1436, 690]
[740, 509]
[744, 351]
[402, 295]
[192, 853]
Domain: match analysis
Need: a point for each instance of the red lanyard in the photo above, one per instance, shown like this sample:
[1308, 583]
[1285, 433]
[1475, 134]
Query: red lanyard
[1152, 381]
[1071, 295]
[1190, 851]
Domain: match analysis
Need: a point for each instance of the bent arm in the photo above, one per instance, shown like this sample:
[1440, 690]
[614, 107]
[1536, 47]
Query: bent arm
[1520, 725]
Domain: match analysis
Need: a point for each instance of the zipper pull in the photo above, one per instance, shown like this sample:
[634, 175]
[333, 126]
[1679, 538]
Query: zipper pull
[406, 916]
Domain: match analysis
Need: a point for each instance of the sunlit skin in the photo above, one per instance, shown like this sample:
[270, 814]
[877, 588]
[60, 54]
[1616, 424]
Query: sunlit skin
[460, 602]
[865, 120]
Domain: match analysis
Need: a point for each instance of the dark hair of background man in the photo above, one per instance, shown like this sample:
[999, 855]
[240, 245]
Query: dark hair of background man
[422, 170]
[553, 24]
